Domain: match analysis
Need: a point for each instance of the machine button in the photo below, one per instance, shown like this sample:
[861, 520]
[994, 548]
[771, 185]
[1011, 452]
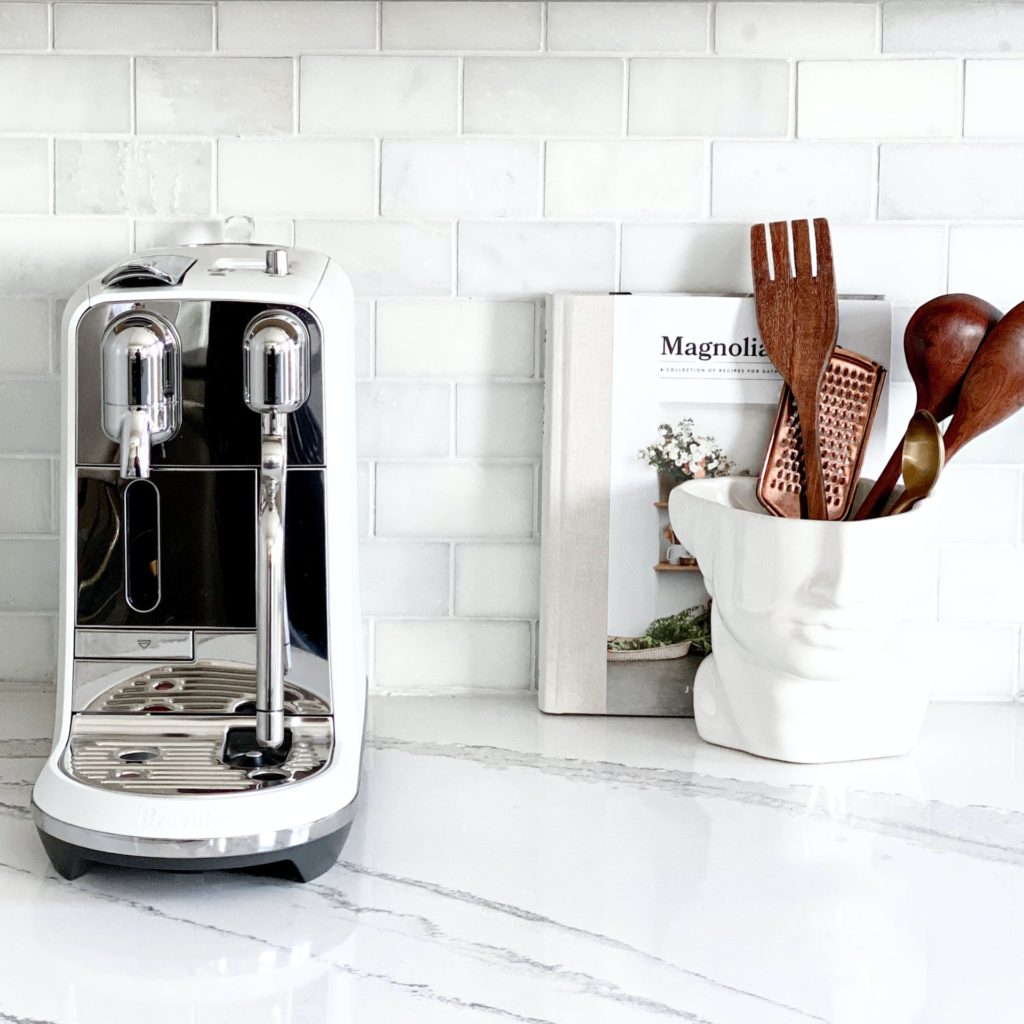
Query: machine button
[277, 262]
[152, 645]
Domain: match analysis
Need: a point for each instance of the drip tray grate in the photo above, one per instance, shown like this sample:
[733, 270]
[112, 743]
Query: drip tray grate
[206, 688]
[152, 754]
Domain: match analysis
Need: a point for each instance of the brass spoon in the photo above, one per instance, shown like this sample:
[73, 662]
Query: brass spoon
[924, 455]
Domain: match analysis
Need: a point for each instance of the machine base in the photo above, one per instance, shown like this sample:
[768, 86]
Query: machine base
[300, 863]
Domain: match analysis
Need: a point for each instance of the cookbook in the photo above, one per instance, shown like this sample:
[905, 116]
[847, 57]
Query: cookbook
[618, 369]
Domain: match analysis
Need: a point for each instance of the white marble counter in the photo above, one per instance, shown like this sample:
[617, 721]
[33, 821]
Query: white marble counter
[508, 866]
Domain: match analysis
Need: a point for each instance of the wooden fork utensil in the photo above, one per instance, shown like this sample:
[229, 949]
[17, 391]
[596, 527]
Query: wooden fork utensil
[798, 318]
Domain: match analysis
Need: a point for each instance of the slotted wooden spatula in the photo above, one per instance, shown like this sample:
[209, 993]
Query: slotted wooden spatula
[798, 319]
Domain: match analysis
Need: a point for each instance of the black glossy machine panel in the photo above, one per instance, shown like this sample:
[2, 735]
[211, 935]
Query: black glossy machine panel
[179, 550]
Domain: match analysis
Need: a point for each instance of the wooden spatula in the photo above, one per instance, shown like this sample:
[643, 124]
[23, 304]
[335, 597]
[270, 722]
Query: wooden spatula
[799, 321]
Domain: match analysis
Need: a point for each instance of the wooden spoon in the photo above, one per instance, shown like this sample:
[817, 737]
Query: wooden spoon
[922, 459]
[993, 388]
[939, 343]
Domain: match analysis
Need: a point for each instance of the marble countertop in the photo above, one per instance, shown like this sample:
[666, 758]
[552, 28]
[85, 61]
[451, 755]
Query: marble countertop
[512, 867]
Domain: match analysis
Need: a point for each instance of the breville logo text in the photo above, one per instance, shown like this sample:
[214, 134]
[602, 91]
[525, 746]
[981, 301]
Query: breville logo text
[197, 822]
[750, 348]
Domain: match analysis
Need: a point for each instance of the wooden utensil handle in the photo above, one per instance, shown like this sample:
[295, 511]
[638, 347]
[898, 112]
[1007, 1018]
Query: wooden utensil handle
[884, 486]
[814, 474]
[904, 503]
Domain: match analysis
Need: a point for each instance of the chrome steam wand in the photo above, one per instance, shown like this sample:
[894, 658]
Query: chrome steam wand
[276, 375]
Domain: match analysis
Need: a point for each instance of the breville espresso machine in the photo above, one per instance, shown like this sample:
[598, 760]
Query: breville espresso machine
[211, 693]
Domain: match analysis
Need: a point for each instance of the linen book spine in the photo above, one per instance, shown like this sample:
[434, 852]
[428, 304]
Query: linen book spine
[575, 504]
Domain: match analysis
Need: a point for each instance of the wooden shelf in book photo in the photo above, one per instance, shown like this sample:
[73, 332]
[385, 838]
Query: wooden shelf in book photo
[668, 566]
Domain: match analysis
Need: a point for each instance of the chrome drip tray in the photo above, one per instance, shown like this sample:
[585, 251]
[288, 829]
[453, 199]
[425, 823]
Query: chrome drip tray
[204, 688]
[156, 755]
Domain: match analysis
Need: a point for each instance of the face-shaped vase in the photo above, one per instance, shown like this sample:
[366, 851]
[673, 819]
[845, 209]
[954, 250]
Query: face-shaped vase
[802, 617]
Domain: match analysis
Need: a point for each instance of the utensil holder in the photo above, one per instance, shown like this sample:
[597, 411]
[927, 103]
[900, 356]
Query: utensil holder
[802, 622]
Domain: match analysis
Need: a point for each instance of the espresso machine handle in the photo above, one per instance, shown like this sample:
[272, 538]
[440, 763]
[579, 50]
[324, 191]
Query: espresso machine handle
[276, 384]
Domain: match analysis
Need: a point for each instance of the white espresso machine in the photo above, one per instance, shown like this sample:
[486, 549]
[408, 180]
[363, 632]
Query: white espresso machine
[211, 692]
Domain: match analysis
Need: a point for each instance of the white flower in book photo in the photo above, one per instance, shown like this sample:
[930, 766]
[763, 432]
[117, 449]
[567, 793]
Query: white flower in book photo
[681, 454]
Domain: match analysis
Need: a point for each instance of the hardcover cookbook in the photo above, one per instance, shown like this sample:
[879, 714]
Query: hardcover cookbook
[627, 375]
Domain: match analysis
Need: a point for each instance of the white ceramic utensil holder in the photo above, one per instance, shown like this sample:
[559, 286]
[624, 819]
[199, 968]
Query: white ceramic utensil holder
[802, 620]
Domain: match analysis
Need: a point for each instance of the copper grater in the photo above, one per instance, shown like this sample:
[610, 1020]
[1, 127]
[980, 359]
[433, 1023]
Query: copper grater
[849, 401]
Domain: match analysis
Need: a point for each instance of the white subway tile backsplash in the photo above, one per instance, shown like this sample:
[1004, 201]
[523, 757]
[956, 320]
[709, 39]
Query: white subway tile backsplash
[364, 503]
[25, 338]
[762, 181]
[498, 419]
[363, 315]
[523, 259]
[28, 580]
[988, 85]
[979, 505]
[1002, 445]
[686, 258]
[460, 25]
[878, 99]
[449, 499]
[404, 578]
[455, 338]
[935, 181]
[295, 26]
[211, 95]
[385, 257]
[133, 27]
[24, 176]
[979, 263]
[29, 646]
[982, 583]
[708, 97]
[637, 26]
[48, 93]
[24, 26]
[403, 420]
[154, 233]
[452, 654]
[542, 95]
[929, 27]
[497, 580]
[505, 150]
[379, 95]
[963, 661]
[624, 179]
[460, 178]
[54, 255]
[145, 178]
[297, 177]
[28, 502]
[30, 416]
[795, 29]
[895, 261]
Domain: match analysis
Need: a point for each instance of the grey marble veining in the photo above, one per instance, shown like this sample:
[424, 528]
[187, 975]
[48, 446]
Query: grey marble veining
[507, 866]
[977, 831]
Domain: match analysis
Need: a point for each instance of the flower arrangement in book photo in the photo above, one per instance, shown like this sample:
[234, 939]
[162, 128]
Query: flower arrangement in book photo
[681, 454]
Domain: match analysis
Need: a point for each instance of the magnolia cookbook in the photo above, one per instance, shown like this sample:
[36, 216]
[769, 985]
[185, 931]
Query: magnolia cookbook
[618, 369]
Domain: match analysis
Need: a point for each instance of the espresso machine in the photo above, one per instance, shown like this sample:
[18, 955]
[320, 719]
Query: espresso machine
[211, 692]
